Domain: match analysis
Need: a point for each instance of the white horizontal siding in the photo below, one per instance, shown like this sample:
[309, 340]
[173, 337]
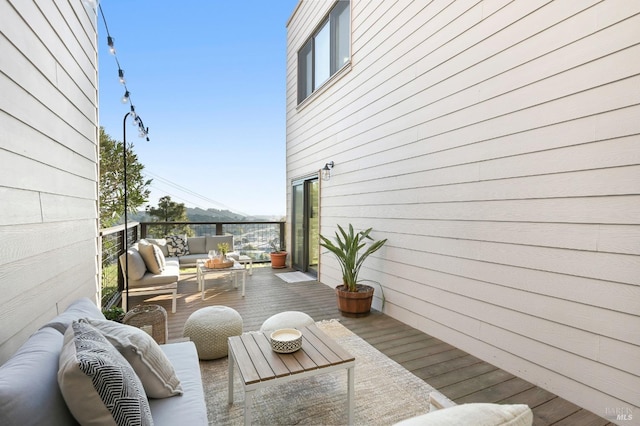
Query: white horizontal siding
[49, 157]
[496, 145]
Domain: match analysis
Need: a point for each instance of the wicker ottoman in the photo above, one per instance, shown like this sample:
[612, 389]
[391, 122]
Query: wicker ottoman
[150, 318]
[288, 319]
[210, 327]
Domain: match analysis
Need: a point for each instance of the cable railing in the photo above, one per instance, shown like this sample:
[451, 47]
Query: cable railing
[251, 238]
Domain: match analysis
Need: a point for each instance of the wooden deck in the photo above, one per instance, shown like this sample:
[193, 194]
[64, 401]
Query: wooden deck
[458, 375]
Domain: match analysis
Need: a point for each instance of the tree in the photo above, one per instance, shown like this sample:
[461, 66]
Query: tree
[112, 181]
[168, 211]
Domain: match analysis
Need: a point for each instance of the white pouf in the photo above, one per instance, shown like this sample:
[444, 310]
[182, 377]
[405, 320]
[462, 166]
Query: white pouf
[210, 327]
[288, 319]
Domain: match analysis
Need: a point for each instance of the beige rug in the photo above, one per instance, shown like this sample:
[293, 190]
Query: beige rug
[295, 277]
[385, 392]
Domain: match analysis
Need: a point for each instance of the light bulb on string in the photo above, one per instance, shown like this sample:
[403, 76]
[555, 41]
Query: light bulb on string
[126, 98]
[112, 48]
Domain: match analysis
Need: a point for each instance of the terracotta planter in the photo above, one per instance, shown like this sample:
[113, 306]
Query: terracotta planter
[279, 260]
[355, 304]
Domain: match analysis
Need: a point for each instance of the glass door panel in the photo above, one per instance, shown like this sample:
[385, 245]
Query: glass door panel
[305, 225]
[313, 228]
[297, 227]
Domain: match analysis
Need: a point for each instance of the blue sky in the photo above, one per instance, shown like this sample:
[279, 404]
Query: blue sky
[208, 80]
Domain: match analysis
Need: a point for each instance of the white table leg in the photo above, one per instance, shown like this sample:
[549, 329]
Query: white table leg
[244, 279]
[248, 402]
[230, 388]
[199, 278]
[350, 395]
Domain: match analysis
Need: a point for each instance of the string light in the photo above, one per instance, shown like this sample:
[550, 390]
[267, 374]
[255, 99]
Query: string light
[112, 48]
[143, 131]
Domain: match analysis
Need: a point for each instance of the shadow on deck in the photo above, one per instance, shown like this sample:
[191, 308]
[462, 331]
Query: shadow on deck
[458, 375]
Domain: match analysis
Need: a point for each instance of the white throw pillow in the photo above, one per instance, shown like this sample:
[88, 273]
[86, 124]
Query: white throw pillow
[136, 265]
[477, 414]
[160, 242]
[145, 356]
[152, 256]
[97, 383]
[157, 252]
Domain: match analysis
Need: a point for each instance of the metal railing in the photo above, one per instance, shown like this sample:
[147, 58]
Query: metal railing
[251, 238]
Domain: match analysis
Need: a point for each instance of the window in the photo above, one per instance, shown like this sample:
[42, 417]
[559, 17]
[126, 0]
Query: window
[326, 52]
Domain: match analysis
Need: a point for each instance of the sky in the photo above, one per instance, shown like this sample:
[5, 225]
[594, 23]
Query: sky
[208, 80]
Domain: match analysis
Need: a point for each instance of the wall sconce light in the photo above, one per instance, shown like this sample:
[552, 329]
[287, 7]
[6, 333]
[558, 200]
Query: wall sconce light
[326, 170]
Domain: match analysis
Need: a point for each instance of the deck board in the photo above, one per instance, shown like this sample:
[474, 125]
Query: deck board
[458, 375]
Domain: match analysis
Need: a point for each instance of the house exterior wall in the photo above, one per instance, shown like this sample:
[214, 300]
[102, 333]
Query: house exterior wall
[496, 145]
[48, 163]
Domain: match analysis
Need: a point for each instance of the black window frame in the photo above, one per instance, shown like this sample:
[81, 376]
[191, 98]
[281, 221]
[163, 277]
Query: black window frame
[309, 47]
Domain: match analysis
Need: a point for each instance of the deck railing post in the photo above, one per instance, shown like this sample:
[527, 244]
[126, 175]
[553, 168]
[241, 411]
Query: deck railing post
[282, 241]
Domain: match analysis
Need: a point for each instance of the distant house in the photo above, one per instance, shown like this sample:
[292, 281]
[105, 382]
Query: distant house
[496, 144]
[48, 163]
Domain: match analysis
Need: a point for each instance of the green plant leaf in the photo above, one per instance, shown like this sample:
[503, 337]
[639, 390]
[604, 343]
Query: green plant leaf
[347, 248]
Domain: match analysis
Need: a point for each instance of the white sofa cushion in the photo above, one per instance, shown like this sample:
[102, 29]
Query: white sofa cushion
[196, 245]
[79, 308]
[97, 383]
[29, 391]
[214, 240]
[145, 356]
[188, 409]
[136, 266]
[477, 414]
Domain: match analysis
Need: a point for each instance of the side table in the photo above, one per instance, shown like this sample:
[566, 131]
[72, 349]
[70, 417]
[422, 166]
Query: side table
[150, 318]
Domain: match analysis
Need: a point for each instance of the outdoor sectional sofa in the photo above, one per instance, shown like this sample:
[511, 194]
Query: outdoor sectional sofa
[30, 392]
[154, 264]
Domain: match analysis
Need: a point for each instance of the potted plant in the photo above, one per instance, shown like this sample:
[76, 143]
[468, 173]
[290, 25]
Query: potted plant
[114, 313]
[278, 254]
[354, 299]
[224, 249]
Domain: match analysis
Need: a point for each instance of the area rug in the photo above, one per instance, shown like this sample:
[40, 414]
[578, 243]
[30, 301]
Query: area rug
[385, 392]
[295, 277]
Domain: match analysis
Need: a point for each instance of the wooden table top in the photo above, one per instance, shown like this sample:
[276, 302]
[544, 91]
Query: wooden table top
[257, 362]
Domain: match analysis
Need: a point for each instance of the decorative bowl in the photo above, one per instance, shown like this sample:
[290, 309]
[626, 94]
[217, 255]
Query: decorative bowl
[286, 340]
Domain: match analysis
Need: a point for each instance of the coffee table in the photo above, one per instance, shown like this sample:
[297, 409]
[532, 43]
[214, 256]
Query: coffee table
[202, 271]
[260, 366]
[243, 259]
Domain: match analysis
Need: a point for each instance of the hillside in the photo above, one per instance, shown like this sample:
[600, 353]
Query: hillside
[209, 215]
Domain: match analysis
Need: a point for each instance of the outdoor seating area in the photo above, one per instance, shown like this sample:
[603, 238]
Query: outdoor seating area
[452, 372]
